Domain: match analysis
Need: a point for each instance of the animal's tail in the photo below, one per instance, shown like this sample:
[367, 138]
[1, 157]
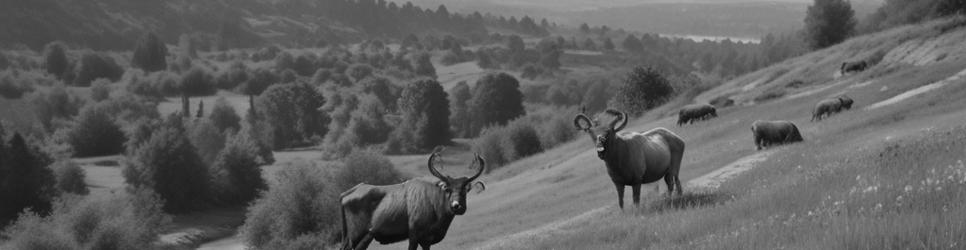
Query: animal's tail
[346, 244]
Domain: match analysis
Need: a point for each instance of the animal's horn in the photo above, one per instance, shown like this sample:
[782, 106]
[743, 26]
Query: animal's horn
[482, 163]
[432, 168]
[621, 117]
[584, 118]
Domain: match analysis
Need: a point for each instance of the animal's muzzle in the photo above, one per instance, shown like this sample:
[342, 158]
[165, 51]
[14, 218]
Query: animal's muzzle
[457, 207]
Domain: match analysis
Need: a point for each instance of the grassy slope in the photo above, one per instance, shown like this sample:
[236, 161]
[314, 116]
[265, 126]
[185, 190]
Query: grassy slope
[769, 206]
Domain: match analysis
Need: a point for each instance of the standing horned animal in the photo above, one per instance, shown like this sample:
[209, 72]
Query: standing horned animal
[420, 210]
[695, 112]
[767, 133]
[635, 158]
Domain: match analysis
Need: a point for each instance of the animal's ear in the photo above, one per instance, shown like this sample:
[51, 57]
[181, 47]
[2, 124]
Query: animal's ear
[582, 122]
[441, 185]
[481, 188]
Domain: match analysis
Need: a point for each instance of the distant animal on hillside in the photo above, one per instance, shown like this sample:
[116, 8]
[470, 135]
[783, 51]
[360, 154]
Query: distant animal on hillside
[635, 158]
[767, 133]
[695, 112]
[830, 106]
[419, 210]
[852, 67]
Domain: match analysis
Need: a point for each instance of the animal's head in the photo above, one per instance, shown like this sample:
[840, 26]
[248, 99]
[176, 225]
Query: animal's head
[455, 189]
[603, 135]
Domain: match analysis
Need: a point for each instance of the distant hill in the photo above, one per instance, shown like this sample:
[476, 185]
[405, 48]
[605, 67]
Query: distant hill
[115, 24]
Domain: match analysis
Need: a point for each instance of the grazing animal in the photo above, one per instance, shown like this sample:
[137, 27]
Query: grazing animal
[852, 67]
[831, 106]
[419, 210]
[768, 133]
[691, 113]
[635, 158]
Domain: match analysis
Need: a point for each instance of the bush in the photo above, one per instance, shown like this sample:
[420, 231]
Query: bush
[233, 76]
[123, 220]
[150, 54]
[223, 116]
[94, 65]
[70, 177]
[359, 71]
[496, 100]
[169, 165]
[13, 85]
[459, 117]
[293, 112]
[425, 108]
[95, 133]
[54, 104]
[100, 90]
[55, 59]
[489, 145]
[305, 203]
[207, 140]
[520, 140]
[236, 172]
[197, 82]
[829, 22]
[367, 121]
[643, 89]
[364, 166]
[25, 180]
[422, 66]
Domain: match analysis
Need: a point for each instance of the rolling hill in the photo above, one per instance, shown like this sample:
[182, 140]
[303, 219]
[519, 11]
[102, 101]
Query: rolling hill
[887, 173]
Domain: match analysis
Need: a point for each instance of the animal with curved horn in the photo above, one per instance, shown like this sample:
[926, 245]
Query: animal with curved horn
[635, 158]
[419, 210]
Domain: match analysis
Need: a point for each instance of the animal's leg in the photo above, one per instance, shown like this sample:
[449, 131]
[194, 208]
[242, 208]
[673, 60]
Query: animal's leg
[620, 195]
[412, 243]
[636, 192]
[677, 181]
[364, 243]
[425, 246]
[669, 180]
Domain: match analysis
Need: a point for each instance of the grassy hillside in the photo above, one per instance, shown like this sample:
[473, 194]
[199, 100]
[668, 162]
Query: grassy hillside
[884, 177]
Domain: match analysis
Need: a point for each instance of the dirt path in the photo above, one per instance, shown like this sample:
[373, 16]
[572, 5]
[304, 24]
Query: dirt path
[918, 91]
[710, 180]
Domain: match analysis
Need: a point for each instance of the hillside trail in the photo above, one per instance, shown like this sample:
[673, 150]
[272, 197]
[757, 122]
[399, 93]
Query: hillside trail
[708, 181]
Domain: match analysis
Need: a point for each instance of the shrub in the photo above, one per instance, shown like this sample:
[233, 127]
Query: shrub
[25, 180]
[233, 76]
[207, 140]
[55, 59]
[150, 53]
[236, 173]
[260, 80]
[70, 177]
[123, 220]
[367, 122]
[12, 87]
[305, 64]
[519, 140]
[496, 100]
[293, 112]
[596, 97]
[386, 92]
[94, 65]
[304, 203]
[54, 104]
[169, 165]
[422, 66]
[100, 90]
[223, 116]
[828, 22]
[489, 145]
[95, 133]
[364, 166]
[359, 71]
[459, 117]
[425, 108]
[643, 89]
[197, 82]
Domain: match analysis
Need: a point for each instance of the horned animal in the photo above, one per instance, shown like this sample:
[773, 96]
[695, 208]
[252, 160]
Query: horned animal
[694, 112]
[635, 158]
[767, 133]
[852, 67]
[420, 210]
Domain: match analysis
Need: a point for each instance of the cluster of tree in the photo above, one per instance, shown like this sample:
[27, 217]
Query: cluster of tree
[525, 136]
[387, 18]
[543, 59]
[897, 12]
[526, 24]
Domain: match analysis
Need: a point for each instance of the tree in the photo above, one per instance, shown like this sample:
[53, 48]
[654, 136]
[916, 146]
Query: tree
[643, 89]
[169, 165]
[100, 90]
[197, 82]
[608, 44]
[95, 133]
[496, 100]
[459, 117]
[631, 44]
[150, 53]
[187, 47]
[70, 177]
[223, 116]
[515, 44]
[206, 139]
[236, 173]
[828, 22]
[25, 180]
[95, 65]
[584, 28]
[54, 104]
[293, 112]
[422, 65]
[425, 108]
[55, 59]
[950, 7]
